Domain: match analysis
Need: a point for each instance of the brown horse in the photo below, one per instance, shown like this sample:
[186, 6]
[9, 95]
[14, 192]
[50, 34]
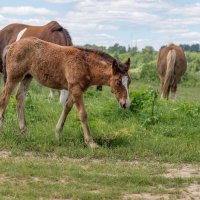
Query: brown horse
[171, 65]
[58, 67]
[51, 32]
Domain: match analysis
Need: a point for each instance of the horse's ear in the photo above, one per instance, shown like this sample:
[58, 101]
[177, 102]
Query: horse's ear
[127, 63]
[115, 67]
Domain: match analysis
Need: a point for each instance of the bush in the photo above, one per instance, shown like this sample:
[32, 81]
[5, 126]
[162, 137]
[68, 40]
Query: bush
[191, 79]
[148, 72]
[143, 103]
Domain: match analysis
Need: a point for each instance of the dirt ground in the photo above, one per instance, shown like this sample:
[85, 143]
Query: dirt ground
[190, 192]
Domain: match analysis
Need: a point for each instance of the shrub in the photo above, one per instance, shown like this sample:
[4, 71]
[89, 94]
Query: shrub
[143, 102]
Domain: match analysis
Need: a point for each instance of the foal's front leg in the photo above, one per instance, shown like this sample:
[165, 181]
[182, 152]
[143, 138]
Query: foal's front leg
[78, 100]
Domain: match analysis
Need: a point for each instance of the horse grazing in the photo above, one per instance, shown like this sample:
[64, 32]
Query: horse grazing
[171, 65]
[51, 32]
[70, 68]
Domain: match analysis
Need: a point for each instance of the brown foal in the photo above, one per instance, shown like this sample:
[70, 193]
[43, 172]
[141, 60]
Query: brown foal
[70, 68]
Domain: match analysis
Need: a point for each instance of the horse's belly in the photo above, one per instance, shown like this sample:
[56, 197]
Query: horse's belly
[51, 81]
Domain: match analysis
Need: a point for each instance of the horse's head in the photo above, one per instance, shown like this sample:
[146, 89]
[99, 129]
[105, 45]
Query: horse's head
[120, 81]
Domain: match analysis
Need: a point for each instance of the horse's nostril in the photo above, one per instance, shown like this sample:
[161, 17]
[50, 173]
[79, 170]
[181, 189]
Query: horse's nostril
[123, 105]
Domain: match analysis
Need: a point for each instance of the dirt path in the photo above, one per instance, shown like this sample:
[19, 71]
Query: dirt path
[183, 171]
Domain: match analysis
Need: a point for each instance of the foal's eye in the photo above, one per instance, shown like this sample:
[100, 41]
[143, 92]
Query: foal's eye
[119, 82]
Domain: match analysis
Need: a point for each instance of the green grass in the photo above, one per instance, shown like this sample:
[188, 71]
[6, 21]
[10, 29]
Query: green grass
[121, 133]
[172, 136]
[60, 178]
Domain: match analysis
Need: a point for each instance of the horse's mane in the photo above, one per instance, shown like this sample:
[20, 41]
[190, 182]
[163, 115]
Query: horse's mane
[97, 52]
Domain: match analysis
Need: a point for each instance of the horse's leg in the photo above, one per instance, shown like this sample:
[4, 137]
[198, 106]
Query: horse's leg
[21, 92]
[66, 109]
[7, 91]
[173, 90]
[161, 87]
[50, 96]
[78, 100]
[63, 96]
[168, 91]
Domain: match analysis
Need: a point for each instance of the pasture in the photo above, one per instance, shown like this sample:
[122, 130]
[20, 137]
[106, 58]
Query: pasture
[150, 151]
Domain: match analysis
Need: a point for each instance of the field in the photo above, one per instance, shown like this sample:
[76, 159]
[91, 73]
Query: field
[151, 151]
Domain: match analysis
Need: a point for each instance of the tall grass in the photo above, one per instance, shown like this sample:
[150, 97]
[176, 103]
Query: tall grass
[171, 133]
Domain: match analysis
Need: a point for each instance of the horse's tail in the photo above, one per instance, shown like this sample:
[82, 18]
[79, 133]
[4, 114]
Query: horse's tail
[171, 59]
[5, 51]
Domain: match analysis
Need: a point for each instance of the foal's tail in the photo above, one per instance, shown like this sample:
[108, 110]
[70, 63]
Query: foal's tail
[5, 51]
[171, 59]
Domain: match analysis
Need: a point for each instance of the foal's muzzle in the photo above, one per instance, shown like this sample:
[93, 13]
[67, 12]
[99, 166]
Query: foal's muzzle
[124, 104]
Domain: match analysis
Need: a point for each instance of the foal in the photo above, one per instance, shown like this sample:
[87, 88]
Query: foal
[57, 67]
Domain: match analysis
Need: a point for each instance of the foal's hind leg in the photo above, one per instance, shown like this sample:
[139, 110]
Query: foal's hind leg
[21, 92]
[66, 109]
[7, 91]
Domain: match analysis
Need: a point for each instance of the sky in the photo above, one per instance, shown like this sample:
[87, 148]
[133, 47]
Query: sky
[106, 22]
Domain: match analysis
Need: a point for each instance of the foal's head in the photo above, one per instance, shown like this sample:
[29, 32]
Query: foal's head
[120, 81]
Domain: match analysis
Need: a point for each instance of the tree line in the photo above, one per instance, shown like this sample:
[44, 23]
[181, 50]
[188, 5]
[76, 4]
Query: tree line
[119, 49]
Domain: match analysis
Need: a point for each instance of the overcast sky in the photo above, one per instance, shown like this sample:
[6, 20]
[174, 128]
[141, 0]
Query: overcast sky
[106, 22]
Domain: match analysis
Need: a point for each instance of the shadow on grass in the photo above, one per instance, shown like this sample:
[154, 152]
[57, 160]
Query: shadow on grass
[113, 142]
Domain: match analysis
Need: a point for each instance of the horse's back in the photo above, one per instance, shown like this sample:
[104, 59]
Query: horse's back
[51, 32]
[50, 64]
[9, 34]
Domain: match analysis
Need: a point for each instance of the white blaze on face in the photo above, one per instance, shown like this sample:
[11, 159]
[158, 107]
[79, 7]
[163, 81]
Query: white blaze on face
[125, 84]
[20, 34]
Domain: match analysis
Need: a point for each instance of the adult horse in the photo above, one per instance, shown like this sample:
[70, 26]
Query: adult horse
[51, 32]
[58, 67]
[171, 65]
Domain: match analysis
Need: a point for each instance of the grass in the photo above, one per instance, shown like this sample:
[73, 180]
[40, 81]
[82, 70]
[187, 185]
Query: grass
[172, 136]
[122, 134]
[63, 178]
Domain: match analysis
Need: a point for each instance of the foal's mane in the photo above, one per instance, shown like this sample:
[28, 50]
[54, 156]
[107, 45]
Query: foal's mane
[97, 52]
[105, 56]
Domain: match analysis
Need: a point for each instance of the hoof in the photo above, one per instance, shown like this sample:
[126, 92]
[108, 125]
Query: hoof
[23, 130]
[57, 135]
[93, 145]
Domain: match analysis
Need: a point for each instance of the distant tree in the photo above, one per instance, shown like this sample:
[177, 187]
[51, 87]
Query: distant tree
[116, 56]
[148, 50]
[186, 47]
[132, 51]
[117, 48]
[193, 47]
[148, 54]
[93, 46]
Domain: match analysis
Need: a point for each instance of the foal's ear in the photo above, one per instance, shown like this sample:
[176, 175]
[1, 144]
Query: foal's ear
[127, 63]
[115, 67]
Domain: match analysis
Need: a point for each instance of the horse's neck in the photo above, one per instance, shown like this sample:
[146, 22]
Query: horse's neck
[100, 73]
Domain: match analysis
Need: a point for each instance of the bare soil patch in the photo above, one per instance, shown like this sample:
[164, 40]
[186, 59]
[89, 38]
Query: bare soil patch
[183, 171]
